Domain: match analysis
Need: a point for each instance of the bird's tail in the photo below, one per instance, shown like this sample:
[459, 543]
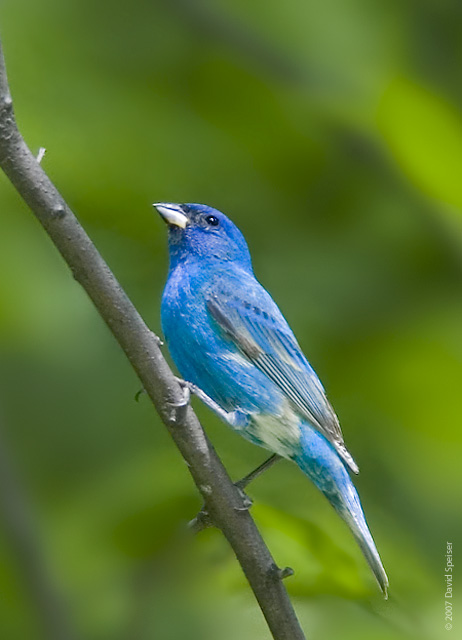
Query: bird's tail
[319, 460]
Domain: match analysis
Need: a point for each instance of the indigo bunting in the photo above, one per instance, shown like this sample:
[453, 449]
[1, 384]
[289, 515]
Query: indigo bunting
[235, 350]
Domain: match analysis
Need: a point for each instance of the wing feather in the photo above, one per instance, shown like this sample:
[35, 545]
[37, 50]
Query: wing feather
[267, 341]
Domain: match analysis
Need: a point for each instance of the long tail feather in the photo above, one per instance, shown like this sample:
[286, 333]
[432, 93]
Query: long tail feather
[321, 463]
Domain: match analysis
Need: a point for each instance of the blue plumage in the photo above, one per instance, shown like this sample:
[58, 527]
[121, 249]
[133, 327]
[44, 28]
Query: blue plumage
[229, 339]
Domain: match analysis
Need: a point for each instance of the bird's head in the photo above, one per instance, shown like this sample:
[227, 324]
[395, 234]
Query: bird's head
[199, 231]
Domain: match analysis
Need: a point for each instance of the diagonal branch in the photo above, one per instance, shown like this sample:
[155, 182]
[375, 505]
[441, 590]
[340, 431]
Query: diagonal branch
[223, 500]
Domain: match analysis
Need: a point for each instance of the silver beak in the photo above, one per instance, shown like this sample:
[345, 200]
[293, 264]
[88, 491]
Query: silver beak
[172, 214]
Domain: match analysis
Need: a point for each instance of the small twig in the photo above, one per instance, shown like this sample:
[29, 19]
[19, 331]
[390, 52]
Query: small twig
[201, 521]
[41, 154]
[89, 269]
[285, 573]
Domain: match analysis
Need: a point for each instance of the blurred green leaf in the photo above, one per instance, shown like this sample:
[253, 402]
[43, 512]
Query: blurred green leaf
[423, 131]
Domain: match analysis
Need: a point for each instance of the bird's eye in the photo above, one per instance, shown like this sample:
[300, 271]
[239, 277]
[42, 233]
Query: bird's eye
[212, 221]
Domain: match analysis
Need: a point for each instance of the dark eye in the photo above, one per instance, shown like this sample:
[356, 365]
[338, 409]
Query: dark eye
[212, 221]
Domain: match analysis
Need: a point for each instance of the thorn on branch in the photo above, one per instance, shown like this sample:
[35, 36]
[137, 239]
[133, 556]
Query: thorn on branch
[286, 572]
[201, 521]
[281, 574]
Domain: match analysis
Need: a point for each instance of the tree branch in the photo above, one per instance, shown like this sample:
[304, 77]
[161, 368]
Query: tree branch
[223, 500]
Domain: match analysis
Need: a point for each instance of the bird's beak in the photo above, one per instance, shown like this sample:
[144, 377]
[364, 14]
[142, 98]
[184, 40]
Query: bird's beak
[172, 214]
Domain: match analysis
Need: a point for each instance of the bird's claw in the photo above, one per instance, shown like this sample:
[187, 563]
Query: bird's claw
[180, 405]
[204, 521]
[185, 384]
[186, 388]
[246, 501]
[183, 402]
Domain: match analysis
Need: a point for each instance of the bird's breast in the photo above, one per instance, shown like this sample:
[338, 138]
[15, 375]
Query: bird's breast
[205, 356]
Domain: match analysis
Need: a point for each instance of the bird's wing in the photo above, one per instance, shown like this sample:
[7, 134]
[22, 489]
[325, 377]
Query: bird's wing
[261, 333]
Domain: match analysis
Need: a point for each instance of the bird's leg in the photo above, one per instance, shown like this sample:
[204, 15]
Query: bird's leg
[246, 480]
[237, 419]
[202, 520]
[241, 484]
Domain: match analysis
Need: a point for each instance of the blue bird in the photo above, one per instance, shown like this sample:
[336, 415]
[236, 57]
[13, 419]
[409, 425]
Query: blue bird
[234, 348]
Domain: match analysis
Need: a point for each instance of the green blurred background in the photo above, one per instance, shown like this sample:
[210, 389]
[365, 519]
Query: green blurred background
[331, 133]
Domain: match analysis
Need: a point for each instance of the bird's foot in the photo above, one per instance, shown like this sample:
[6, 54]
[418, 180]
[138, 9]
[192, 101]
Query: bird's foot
[190, 389]
[183, 384]
[246, 501]
[186, 389]
[203, 520]
[178, 407]
[238, 419]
